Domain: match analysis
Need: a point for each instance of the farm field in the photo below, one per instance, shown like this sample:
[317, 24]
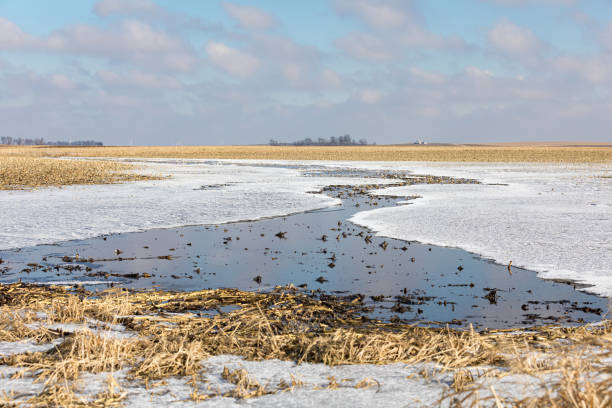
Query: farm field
[542, 153]
[28, 167]
[105, 286]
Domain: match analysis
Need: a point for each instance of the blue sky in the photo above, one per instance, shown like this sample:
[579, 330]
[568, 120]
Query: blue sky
[241, 72]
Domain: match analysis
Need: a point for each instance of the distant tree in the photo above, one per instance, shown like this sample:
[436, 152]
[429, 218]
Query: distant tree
[344, 140]
[76, 143]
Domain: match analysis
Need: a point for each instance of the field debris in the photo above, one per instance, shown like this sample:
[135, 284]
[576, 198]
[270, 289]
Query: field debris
[170, 336]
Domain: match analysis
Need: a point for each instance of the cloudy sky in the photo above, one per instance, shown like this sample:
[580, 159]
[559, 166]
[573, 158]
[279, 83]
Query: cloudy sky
[237, 72]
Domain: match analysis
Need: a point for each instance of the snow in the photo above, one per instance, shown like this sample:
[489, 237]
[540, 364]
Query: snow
[394, 385]
[8, 348]
[95, 327]
[16, 386]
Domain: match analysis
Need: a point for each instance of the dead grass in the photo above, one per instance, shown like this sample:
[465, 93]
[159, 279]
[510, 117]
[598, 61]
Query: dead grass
[581, 386]
[246, 387]
[459, 153]
[170, 339]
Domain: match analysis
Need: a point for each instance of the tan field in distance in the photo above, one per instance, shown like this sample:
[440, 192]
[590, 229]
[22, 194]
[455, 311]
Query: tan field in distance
[31, 166]
[27, 171]
[456, 153]
[566, 144]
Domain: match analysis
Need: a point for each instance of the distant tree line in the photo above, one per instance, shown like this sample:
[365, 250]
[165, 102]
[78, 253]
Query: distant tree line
[76, 143]
[345, 140]
[8, 140]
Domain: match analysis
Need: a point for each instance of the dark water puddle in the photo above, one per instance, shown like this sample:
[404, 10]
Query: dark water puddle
[323, 254]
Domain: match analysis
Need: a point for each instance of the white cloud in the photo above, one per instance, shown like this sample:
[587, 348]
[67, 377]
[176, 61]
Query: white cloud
[478, 73]
[370, 96]
[12, 37]
[331, 78]
[364, 46]
[532, 94]
[282, 48]
[292, 71]
[605, 37]
[138, 79]
[418, 37]
[593, 69]
[287, 66]
[107, 7]
[393, 29]
[378, 14]
[231, 60]
[524, 2]
[249, 17]
[428, 111]
[36, 87]
[131, 36]
[427, 77]
[61, 82]
[130, 41]
[383, 46]
[513, 39]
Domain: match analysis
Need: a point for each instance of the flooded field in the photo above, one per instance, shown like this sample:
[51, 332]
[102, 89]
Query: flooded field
[322, 254]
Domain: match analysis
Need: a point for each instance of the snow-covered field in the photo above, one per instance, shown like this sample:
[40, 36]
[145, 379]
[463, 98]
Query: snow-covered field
[316, 385]
[554, 219]
[197, 193]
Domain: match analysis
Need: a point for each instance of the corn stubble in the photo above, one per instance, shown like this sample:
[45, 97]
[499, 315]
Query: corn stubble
[455, 153]
[27, 167]
[170, 338]
[18, 173]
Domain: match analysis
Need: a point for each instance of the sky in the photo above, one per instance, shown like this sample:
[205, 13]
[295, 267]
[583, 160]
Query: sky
[196, 72]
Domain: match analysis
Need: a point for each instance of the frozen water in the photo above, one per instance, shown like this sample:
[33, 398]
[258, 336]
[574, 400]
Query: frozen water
[77, 282]
[199, 192]
[554, 219]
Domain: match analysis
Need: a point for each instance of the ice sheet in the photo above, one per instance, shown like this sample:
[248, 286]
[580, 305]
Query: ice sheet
[554, 219]
[199, 192]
